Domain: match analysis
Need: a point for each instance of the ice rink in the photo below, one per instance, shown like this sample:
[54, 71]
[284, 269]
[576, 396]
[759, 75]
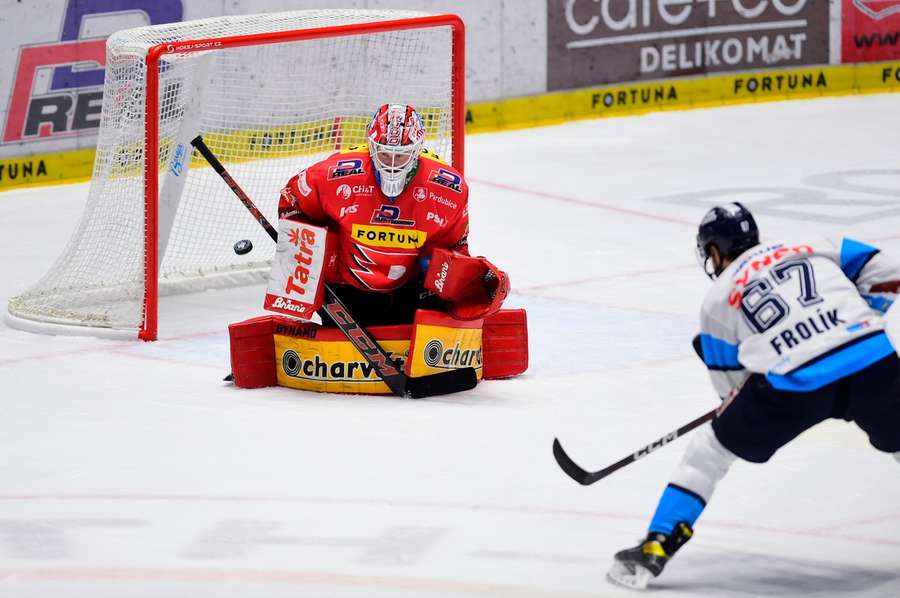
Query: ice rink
[130, 469]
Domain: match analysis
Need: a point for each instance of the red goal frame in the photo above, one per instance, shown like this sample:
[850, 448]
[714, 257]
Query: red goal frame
[148, 329]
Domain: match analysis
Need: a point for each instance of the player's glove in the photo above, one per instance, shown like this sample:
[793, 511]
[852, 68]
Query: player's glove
[473, 287]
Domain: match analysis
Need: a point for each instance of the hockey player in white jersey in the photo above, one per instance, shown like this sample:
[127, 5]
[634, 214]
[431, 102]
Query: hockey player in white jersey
[792, 335]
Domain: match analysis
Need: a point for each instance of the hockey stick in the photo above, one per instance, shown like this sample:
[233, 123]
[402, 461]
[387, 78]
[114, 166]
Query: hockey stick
[399, 383]
[586, 478]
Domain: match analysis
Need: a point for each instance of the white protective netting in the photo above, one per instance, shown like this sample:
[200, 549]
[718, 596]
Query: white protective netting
[266, 111]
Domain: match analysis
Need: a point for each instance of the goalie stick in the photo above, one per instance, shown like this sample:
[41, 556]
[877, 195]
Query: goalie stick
[399, 383]
[586, 478]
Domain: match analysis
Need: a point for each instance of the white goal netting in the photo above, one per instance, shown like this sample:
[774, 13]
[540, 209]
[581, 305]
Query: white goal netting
[266, 109]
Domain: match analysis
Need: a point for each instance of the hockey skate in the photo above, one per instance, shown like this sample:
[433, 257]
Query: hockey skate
[635, 567]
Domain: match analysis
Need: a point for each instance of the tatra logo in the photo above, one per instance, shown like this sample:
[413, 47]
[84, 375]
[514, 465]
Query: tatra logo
[348, 167]
[446, 178]
[436, 356]
[384, 236]
[390, 214]
[877, 9]
[419, 194]
[302, 281]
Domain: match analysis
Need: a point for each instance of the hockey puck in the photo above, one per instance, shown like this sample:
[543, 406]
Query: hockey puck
[243, 246]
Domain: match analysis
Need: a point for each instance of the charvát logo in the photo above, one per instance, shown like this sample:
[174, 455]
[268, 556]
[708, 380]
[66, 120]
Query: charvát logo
[436, 356]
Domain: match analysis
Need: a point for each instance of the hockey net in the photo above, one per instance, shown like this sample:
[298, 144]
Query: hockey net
[271, 94]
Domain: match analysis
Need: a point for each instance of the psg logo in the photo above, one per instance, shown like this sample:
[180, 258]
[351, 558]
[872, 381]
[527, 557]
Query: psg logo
[419, 193]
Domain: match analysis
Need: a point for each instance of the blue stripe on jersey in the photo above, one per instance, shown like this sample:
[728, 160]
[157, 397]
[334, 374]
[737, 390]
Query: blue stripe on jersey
[835, 366]
[854, 257]
[676, 505]
[719, 354]
[878, 303]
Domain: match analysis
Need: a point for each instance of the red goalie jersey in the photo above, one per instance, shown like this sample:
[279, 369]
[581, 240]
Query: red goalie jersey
[381, 242]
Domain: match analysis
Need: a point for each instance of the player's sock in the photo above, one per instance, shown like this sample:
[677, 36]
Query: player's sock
[635, 567]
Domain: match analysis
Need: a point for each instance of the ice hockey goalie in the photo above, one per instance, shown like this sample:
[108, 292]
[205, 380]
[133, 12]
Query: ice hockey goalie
[385, 224]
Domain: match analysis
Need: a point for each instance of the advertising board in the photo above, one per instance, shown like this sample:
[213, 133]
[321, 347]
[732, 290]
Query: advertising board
[595, 42]
[870, 30]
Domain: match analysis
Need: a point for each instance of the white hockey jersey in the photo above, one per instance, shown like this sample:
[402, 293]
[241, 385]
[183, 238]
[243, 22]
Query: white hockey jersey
[803, 315]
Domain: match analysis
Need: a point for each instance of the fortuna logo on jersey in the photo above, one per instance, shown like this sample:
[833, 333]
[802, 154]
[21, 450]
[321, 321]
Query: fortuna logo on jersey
[445, 178]
[878, 9]
[349, 167]
[57, 87]
[388, 214]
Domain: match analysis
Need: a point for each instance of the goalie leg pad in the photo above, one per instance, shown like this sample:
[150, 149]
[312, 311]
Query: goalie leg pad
[440, 342]
[473, 287]
[505, 341]
[253, 353]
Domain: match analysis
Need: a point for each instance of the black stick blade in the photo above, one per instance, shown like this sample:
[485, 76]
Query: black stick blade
[443, 383]
[570, 467]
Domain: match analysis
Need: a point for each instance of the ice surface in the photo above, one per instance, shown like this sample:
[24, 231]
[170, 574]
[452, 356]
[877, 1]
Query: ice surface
[130, 469]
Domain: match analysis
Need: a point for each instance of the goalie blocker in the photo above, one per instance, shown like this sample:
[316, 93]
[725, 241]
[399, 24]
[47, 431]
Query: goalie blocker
[280, 351]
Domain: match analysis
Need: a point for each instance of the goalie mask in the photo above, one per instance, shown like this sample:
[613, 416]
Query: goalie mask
[731, 228]
[395, 135]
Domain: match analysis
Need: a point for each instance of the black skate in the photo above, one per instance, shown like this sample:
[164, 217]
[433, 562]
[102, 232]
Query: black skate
[635, 567]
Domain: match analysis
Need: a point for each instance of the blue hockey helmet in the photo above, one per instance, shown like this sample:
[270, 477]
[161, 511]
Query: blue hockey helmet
[731, 228]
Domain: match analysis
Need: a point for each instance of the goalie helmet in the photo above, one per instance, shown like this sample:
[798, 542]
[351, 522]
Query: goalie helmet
[731, 228]
[395, 136]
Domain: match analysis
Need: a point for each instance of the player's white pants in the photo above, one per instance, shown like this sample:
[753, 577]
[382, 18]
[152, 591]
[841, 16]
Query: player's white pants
[704, 463]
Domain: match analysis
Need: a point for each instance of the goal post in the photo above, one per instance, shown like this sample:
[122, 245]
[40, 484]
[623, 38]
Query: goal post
[271, 94]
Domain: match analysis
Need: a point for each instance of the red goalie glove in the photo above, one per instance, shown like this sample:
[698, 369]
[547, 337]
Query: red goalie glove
[472, 286]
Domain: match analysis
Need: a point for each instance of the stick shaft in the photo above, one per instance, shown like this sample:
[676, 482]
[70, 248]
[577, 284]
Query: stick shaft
[586, 478]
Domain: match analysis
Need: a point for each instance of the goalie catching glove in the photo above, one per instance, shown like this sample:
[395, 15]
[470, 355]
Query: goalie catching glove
[473, 287]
